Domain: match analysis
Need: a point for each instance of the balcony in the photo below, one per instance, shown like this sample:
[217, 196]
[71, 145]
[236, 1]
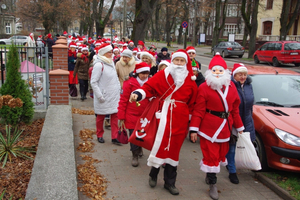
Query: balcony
[276, 38]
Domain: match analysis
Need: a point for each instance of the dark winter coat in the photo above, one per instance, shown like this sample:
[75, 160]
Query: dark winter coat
[161, 57]
[199, 79]
[127, 111]
[246, 106]
[71, 62]
[82, 68]
[50, 43]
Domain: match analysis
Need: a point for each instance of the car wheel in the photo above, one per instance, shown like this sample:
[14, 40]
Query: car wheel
[275, 62]
[2, 43]
[256, 60]
[261, 153]
[240, 56]
[223, 54]
[297, 64]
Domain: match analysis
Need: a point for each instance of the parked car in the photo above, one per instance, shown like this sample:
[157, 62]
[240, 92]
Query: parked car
[276, 115]
[278, 52]
[16, 39]
[227, 49]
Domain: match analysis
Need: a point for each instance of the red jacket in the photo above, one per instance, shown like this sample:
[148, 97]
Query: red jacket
[129, 111]
[212, 127]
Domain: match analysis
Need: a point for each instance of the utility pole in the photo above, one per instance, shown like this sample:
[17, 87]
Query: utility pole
[124, 19]
[194, 41]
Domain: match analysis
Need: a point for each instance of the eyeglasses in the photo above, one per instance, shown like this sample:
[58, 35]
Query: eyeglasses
[191, 53]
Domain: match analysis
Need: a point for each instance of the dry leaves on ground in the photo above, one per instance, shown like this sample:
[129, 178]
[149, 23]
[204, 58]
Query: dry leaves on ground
[82, 112]
[86, 134]
[15, 176]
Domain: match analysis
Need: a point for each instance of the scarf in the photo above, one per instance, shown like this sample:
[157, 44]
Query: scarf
[71, 53]
[106, 60]
[141, 82]
[85, 58]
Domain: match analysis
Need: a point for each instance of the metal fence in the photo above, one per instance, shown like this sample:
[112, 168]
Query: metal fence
[35, 66]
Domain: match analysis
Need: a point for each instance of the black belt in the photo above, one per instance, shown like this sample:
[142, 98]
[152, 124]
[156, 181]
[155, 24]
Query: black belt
[223, 115]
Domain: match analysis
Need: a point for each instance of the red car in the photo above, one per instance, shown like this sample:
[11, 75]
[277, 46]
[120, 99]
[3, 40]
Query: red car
[278, 52]
[276, 115]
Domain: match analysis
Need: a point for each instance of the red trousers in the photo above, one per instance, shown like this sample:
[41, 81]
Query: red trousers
[113, 125]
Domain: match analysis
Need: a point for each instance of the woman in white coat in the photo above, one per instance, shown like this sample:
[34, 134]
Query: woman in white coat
[106, 87]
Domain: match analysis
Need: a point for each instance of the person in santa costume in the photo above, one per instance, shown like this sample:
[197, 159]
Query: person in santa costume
[30, 43]
[178, 91]
[141, 46]
[72, 57]
[216, 110]
[129, 113]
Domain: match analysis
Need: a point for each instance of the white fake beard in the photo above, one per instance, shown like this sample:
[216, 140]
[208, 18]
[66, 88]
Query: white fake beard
[178, 73]
[217, 83]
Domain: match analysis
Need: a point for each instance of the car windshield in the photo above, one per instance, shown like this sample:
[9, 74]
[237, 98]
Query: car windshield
[233, 44]
[292, 46]
[276, 90]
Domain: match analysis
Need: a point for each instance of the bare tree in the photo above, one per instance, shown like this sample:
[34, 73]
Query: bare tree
[143, 12]
[286, 21]
[251, 24]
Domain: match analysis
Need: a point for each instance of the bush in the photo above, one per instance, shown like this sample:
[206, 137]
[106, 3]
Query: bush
[17, 88]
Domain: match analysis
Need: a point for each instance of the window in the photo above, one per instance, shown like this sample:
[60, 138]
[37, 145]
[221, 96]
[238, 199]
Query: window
[230, 28]
[264, 47]
[231, 10]
[267, 27]
[269, 4]
[278, 46]
[7, 28]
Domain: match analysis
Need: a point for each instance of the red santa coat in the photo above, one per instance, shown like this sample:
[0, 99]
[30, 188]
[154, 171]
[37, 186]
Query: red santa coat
[178, 103]
[209, 126]
[127, 111]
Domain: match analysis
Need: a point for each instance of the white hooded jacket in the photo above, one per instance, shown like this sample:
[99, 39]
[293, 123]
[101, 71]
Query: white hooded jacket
[106, 86]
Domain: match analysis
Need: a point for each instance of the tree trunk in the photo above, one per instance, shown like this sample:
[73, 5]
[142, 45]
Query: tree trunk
[194, 40]
[143, 12]
[246, 33]
[215, 38]
[179, 39]
[167, 31]
[157, 32]
[286, 22]
[252, 41]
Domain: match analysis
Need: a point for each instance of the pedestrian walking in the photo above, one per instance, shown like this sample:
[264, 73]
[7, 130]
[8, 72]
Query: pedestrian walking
[244, 87]
[106, 88]
[216, 109]
[148, 58]
[82, 69]
[125, 65]
[177, 90]
[129, 113]
[73, 80]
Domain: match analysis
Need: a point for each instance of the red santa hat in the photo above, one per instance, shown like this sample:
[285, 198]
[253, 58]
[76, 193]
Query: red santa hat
[49, 35]
[104, 48]
[72, 45]
[69, 36]
[80, 40]
[98, 43]
[164, 62]
[108, 40]
[73, 39]
[183, 54]
[135, 50]
[130, 42]
[65, 33]
[141, 67]
[239, 67]
[217, 60]
[141, 43]
[84, 47]
[190, 49]
[116, 49]
[147, 53]
[40, 36]
[90, 39]
[96, 49]
[125, 44]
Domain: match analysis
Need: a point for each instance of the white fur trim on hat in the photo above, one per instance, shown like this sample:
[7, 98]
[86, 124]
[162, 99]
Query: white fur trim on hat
[164, 62]
[143, 69]
[145, 53]
[84, 48]
[191, 50]
[72, 46]
[179, 54]
[195, 68]
[240, 69]
[104, 50]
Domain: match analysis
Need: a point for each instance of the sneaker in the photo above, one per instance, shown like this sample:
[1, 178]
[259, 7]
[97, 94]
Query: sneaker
[101, 140]
[172, 189]
[233, 178]
[116, 141]
[152, 182]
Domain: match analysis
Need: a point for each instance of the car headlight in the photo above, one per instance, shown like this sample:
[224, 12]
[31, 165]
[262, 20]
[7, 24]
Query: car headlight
[287, 137]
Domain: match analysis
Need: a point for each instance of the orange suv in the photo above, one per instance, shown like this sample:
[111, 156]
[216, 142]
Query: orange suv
[278, 52]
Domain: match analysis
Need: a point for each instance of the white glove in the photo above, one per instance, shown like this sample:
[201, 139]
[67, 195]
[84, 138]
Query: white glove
[102, 99]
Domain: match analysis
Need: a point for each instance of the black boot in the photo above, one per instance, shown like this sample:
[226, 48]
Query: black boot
[81, 94]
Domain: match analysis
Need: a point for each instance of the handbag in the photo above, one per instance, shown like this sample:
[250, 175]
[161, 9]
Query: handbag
[146, 127]
[122, 135]
[245, 154]
[73, 90]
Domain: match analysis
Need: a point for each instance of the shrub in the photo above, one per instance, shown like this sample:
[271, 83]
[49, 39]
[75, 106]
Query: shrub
[16, 87]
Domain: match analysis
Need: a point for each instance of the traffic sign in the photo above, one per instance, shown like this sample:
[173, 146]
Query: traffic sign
[184, 24]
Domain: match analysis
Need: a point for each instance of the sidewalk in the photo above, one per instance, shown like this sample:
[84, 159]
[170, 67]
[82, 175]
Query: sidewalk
[127, 182]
